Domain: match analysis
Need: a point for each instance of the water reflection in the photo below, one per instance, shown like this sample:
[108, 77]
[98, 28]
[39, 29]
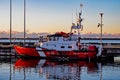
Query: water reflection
[6, 68]
[57, 70]
[28, 63]
[41, 69]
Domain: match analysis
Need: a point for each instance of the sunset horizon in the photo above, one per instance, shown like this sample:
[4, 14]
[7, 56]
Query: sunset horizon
[56, 16]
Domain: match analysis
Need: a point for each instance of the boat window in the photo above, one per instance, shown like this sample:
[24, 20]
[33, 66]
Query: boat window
[62, 46]
[69, 46]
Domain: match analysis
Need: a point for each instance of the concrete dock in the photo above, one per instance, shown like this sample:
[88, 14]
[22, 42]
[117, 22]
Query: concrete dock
[111, 47]
[113, 50]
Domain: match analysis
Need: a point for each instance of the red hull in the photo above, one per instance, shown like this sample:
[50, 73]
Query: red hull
[71, 54]
[26, 51]
[31, 52]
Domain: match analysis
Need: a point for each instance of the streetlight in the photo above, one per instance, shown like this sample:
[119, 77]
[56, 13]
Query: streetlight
[100, 25]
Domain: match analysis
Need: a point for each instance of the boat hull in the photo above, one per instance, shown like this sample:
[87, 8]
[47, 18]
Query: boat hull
[26, 51]
[53, 54]
[80, 54]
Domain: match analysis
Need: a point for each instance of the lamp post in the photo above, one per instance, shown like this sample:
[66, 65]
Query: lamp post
[100, 25]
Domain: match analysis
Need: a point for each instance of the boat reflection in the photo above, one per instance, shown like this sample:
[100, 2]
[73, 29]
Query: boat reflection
[70, 70]
[26, 63]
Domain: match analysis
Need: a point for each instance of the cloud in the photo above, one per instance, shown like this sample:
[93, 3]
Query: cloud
[16, 34]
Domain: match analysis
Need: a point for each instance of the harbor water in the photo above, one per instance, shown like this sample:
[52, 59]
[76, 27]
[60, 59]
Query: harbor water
[12, 68]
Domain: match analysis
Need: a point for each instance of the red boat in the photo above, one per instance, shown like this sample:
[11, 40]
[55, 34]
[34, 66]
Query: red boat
[32, 52]
[53, 54]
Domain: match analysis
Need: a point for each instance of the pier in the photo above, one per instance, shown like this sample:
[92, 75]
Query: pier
[112, 50]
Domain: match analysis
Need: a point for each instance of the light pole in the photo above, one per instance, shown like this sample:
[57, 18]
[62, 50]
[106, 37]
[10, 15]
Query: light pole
[100, 25]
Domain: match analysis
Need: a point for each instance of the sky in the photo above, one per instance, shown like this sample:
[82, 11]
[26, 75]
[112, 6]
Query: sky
[58, 15]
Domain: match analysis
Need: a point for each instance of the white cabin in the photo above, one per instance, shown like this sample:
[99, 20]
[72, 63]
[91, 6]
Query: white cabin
[60, 43]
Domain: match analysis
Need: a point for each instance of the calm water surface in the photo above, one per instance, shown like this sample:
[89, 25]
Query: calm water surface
[41, 69]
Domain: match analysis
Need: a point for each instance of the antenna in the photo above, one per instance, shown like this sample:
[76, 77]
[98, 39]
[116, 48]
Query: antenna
[80, 13]
[80, 19]
[81, 5]
[78, 26]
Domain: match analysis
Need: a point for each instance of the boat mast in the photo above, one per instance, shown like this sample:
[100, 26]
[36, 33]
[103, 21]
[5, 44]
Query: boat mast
[80, 19]
[24, 21]
[10, 20]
